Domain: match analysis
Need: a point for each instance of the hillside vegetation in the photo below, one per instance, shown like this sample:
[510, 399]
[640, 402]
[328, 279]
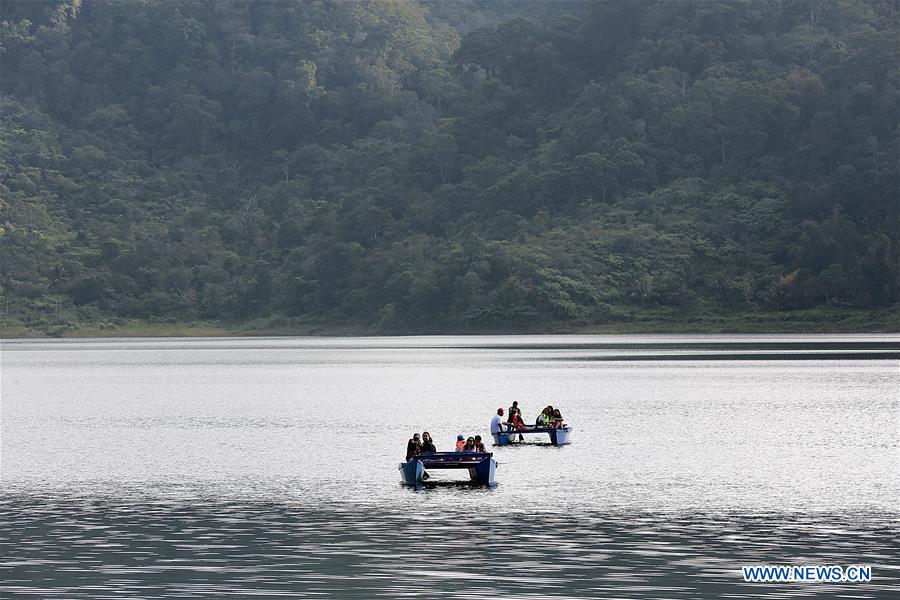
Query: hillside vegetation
[438, 166]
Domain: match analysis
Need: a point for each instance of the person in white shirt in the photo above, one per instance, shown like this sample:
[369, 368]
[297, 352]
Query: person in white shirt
[497, 424]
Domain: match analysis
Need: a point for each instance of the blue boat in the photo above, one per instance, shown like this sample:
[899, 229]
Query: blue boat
[481, 466]
[559, 436]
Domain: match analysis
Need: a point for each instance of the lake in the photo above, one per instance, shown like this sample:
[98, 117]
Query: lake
[268, 466]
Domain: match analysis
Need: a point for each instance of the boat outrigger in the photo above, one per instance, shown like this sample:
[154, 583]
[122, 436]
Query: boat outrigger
[481, 465]
[559, 436]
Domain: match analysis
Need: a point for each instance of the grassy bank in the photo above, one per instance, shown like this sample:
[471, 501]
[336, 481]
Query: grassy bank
[806, 321]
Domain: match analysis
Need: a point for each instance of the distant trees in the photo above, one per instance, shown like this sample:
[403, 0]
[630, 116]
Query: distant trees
[420, 165]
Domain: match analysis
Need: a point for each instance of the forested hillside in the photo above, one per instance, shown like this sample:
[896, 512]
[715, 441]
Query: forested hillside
[428, 166]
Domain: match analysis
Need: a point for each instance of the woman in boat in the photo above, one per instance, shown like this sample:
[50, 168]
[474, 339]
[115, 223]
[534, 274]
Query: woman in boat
[543, 419]
[427, 443]
[557, 419]
[517, 423]
[470, 445]
[479, 445]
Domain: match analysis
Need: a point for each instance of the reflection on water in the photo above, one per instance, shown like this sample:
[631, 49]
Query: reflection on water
[173, 468]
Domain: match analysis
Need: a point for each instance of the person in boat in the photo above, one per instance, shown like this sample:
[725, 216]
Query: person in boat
[543, 420]
[427, 446]
[470, 445]
[514, 420]
[413, 447]
[497, 425]
[551, 417]
[557, 419]
[460, 443]
[513, 412]
[479, 445]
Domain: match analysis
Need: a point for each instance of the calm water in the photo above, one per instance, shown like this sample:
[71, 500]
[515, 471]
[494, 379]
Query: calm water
[264, 467]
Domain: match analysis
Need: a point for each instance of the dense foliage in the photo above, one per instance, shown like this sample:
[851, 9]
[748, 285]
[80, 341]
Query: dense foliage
[428, 165]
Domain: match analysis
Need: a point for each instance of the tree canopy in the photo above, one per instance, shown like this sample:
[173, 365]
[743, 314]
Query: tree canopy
[433, 165]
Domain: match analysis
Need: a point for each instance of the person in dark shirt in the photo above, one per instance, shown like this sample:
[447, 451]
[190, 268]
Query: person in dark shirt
[413, 446]
[427, 443]
[515, 418]
[479, 445]
[513, 411]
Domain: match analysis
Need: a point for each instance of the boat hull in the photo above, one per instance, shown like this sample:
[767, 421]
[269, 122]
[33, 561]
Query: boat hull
[560, 436]
[411, 472]
[483, 472]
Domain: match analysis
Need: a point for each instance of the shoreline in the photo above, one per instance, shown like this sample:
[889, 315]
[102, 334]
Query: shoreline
[799, 322]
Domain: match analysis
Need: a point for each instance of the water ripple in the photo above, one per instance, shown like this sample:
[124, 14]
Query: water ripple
[86, 546]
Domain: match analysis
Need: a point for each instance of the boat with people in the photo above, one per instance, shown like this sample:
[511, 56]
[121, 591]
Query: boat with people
[559, 436]
[481, 466]
[470, 454]
[550, 421]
